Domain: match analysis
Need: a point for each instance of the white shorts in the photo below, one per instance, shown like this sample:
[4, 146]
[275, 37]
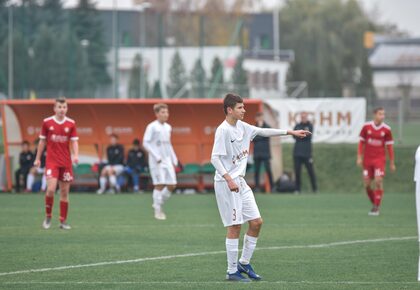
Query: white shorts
[163, 174]
[118, 169]
[236, 208]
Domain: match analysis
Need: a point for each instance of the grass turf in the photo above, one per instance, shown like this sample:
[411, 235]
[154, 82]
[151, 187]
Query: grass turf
[121, 227]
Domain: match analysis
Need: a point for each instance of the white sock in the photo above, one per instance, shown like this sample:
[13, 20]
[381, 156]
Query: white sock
[44, 183]
[113, 181]
[30, 181]
[249, 246]
[166, 194]
[157, 199]
[232, 255]
[102, 183]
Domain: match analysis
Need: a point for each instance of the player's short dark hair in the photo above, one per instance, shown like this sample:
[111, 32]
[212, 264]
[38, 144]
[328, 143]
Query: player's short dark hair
[25, 142]
[113, 135]
[159, 106]
[230, 101]
[61, 100]
[136, 142]
[377, 109]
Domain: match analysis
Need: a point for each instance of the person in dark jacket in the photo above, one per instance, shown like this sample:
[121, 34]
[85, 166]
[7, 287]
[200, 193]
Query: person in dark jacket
[302, 153]
[26, 159]
[36, 171]
[115, 166]
[262, 153]
[136, 163]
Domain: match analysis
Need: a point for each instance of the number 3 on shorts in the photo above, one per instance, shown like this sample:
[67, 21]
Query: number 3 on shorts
[234, 214]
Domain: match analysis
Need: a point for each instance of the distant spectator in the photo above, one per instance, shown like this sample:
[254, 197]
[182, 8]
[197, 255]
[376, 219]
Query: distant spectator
[262, 153]
[26, 160]
[302, 153]
[136, 164]
[115, 166]
[35, 171]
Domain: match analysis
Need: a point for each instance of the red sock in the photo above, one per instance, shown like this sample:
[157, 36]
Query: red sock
[64, 205]
[49, 201]
[370, 194]
[378, 193]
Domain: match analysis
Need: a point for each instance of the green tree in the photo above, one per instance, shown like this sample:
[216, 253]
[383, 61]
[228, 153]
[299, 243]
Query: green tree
[327, 37]
[177, 77]
[198, 79]
[136, 77]
[88, 28]
[240, 78]
[157, 93]
[217, 79]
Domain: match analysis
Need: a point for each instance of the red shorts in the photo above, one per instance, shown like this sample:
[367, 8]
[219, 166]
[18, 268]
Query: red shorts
[59, 172]
[374, 168]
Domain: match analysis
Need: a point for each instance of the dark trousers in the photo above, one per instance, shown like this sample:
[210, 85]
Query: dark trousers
[18, 174]
[307, 161]
[257, 164]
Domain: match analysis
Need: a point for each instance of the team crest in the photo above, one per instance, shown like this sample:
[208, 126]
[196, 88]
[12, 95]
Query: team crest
[66, 129]
[369, 132]
[51, 128]
[382, 133]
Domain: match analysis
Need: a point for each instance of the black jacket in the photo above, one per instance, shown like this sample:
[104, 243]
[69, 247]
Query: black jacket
[26, 160]
[115, 154]
[136, 159]
[303, 146]
[262, 145]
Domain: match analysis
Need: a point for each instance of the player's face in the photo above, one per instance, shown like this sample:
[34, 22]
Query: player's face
[162, 115]
[238, 112]
[60, 109]
[379, 116]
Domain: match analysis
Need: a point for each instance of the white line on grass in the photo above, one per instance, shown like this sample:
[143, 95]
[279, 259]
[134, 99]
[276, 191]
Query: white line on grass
[205, 282]
[326, 245]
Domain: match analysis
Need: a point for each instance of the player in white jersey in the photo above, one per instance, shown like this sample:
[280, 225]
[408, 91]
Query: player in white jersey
[234, 197]
[162, 158]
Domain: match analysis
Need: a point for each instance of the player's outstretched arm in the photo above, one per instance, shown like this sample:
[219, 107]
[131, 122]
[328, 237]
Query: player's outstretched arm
[39, 150]
[268, 132]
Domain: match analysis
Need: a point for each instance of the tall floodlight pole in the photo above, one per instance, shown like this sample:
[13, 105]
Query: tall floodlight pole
[115, 47]
[10, 56]
[276, 33]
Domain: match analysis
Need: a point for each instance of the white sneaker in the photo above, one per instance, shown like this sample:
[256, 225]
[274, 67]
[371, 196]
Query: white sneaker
[159, 215]
[65, 226]
[100, 191]
[373, 213]
[47, 223]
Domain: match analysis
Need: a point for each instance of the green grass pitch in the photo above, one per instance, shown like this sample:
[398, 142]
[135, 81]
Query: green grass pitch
[324, 241]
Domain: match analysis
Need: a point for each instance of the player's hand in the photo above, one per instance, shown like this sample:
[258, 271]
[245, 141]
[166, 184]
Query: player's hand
[300, 133]
[37, 163]
[392, 166]
[232, 185]
[75, 160]
[359, 161]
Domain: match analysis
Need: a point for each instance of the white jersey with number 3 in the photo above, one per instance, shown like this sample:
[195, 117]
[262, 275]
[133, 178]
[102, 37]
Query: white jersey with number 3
[231, 144]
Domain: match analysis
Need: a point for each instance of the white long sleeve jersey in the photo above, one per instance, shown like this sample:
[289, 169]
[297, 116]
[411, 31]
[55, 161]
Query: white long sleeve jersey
[231, 147]
[157, 141]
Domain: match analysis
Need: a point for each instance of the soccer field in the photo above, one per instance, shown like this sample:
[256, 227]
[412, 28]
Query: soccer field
[324, 241]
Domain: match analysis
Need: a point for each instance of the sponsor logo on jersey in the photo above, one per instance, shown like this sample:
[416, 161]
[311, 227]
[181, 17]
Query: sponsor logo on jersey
[59, 138]
[240, 156]
[374, 142]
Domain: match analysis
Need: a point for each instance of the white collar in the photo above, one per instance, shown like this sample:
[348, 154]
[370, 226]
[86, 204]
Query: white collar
[59, 122]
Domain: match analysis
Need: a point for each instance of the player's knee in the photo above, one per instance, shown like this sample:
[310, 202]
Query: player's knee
[256, 224]
[171, 188]
[50, 192]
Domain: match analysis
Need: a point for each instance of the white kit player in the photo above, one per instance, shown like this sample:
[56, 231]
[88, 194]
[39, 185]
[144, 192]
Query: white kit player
[162, 158]
[234, 197]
